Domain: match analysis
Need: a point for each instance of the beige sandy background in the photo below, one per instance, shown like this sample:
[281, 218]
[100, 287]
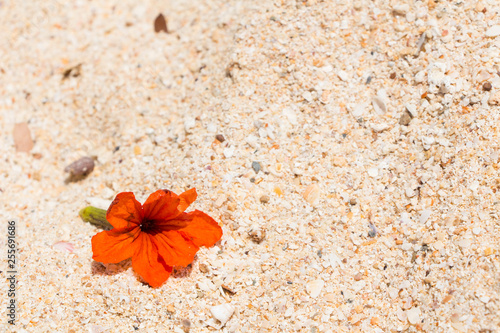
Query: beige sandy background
[374, 125]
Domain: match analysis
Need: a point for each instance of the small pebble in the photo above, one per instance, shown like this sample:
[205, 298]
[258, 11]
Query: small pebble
[80, 168]
[257, 235]
[455, 317]
[373, 231]
[203, 268]
[424, 215]
[493, 31]
[413, 315]
[222, 312]
[392, 76]
[256, 166]
[220, 138]
[494, 98]
[312, 194]
[186, 325]
[405, 119]
[484, 299]
[228, 152]
[343, 75]
[373, 172]
[401, 9]
[264, 199]
[486, 86]
[353, 201]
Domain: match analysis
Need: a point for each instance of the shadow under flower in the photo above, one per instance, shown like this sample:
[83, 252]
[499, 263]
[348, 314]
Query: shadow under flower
[97, 268]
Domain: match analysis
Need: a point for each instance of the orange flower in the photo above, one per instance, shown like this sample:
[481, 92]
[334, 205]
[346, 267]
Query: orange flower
[156, 235]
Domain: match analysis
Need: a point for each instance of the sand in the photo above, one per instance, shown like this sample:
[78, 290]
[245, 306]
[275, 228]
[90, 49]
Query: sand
[356, 183]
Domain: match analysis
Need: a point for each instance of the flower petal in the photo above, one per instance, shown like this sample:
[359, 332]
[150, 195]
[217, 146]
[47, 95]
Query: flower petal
[187, 198]
[175, 248]
[202, 230]
[161, 205]
[125, 211]
[148, 264]
[115, 245]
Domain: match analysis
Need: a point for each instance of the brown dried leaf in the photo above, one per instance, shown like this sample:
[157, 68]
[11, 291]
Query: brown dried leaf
[161, 24]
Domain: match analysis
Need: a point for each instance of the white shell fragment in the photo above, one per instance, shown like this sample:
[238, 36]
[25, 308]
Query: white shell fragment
[493, 31]
[64, 247]
[314, 287]
[379, 105]
[222, 312]
[312, 194]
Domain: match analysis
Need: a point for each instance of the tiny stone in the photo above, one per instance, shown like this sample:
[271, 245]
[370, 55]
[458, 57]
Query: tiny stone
[257, 235]
[413, 315]
[484, 299]
[220, 138]
[339, 161]
[264, 199]
[80, 168]
[312, 194]
[203, 268]
[424, 215]
[222, 312]
[494, 98]
[330, 298]
[358, 277]
[455, 317]
[186, 325]
[493, 31]
[189, 123]
[373, 172]
[405, 119]
[171, 308]
[256, 167]
[228, 152]
[343, 75]
[486, 86]
[392, 76]
[401, 9]
[373, 231]
[353, 201]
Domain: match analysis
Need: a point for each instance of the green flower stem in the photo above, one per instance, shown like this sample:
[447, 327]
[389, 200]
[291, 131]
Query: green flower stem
[96, 216]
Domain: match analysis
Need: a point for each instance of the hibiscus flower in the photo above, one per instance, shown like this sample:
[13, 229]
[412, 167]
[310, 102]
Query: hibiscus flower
[157, 235]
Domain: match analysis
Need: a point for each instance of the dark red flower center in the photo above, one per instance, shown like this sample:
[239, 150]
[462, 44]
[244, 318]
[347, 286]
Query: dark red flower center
[147, 226]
